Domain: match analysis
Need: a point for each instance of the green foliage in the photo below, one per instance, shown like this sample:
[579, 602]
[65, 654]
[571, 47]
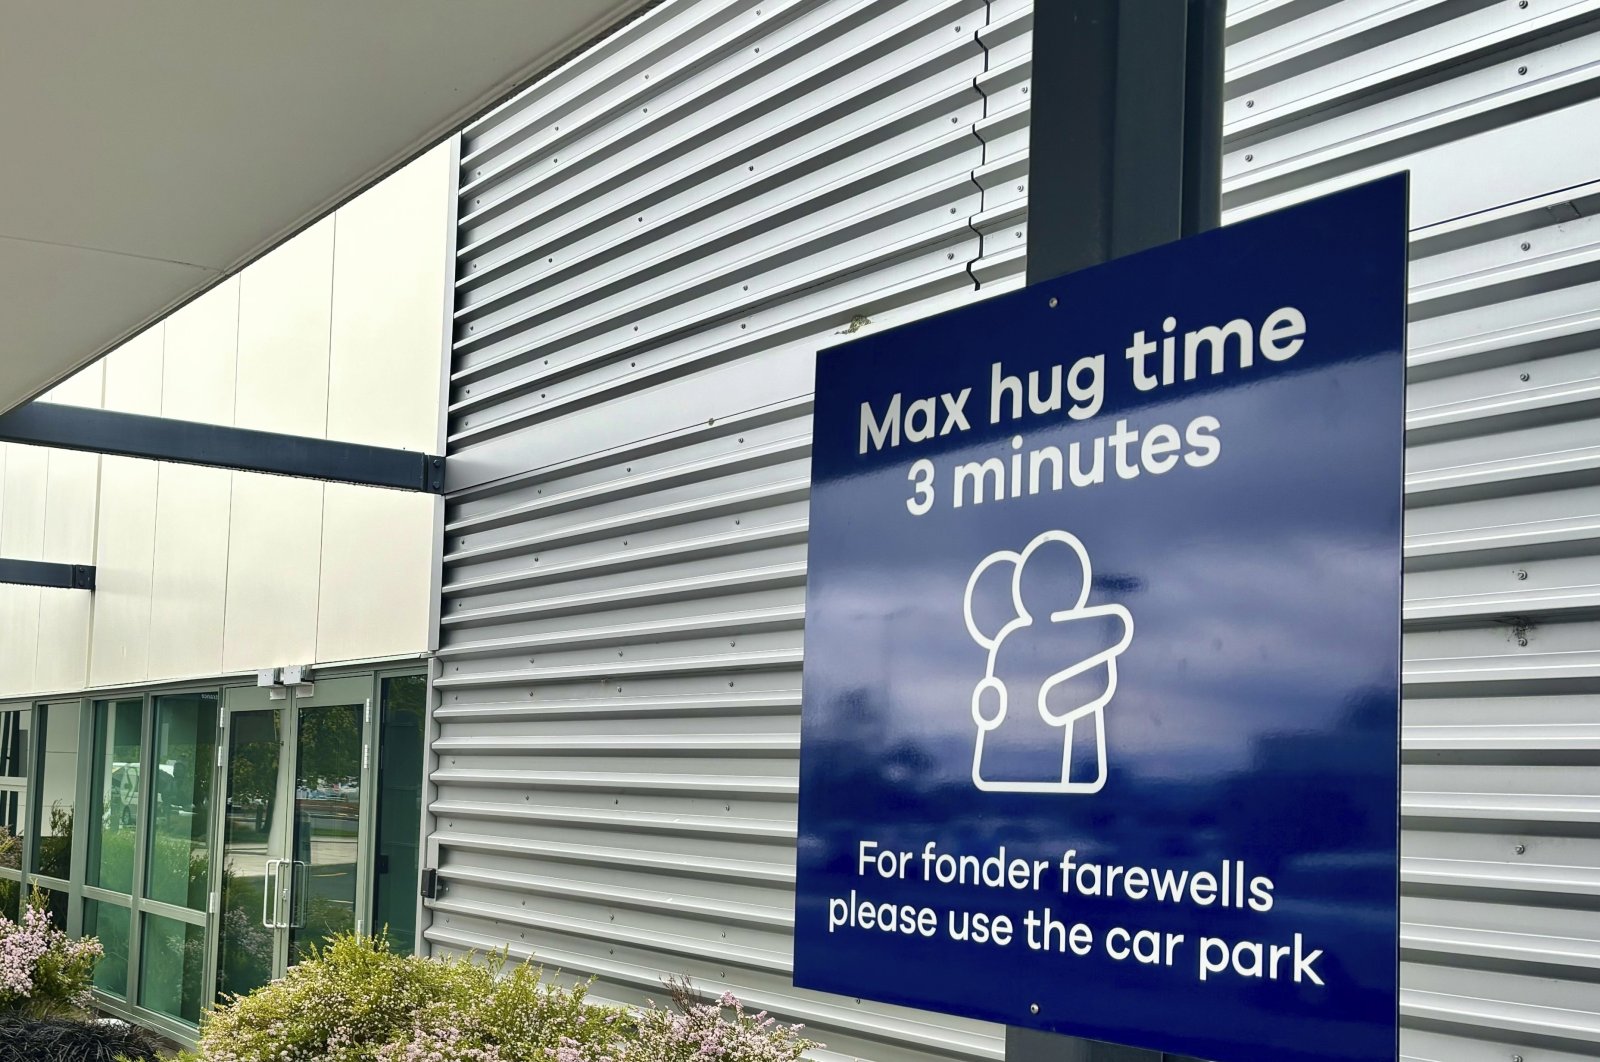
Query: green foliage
[350, 998]
[357, 1001]
[54, 857]
[43, 972]
[178, 866]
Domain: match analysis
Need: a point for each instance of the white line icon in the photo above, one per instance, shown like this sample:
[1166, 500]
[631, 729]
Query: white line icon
[1033, 594]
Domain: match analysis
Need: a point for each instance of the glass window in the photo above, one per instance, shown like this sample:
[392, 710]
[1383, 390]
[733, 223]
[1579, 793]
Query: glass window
[172, 956]
[58, 791]
[110, 923]
[115, 799]
[399, 810]
[182, 765]
[252, 817]
[13, 806]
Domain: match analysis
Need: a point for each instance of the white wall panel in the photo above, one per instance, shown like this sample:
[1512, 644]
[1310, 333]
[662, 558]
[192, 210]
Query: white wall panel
[389, 271]
[285, 303]
[125, 542]
[71, 507]
[125, 526]
[654, 240]
[190, 566]
[377, 573]
[22, 526]
[274, 556]
[191, 571]
[203, 571]
[201, 354]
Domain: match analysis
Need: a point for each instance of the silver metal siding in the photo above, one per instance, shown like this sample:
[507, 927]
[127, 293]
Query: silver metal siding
[654, 241]
[652, 245]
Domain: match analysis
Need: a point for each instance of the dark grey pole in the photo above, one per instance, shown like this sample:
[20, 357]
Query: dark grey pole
[1125, 153]
[1125, 142]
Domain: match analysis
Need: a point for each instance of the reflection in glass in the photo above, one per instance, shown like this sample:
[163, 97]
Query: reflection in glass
[172, 957]
[110, 923]
[115, 795]
[182, 766]
[58, 791]
[13, 806]
[399, 810]
[326, 819]
[11, 898]
[252, 819]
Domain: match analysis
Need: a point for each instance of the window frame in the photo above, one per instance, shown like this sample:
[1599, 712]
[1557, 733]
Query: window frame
[133, 902]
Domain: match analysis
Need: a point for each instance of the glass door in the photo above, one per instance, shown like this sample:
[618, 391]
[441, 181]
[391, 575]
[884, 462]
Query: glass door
[254, 833]
[291, 833]
[328, 834]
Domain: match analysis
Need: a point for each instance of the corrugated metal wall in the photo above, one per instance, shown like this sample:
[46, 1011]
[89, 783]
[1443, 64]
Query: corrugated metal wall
[653, 242]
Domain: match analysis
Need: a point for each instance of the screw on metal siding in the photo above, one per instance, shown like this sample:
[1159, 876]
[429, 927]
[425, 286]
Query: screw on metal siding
[1526, 246]
[1521, 848]
[1522, 70]
[1520, 573]
[1249, 103]
[1524, 377]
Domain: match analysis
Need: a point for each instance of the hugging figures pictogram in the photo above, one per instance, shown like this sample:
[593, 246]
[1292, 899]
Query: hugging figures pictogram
[1052, 668]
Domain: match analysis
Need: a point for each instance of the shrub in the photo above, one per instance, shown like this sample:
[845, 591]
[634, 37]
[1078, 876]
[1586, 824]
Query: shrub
[356, 1001]
[704, 1032]
[69, 1040]
[42, 971]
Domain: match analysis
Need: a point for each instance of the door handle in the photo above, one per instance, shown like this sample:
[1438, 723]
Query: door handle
[299, 877]
[285, 894]
[269, 894]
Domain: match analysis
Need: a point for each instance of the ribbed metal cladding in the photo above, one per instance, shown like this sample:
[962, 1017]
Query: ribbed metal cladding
[654, 241]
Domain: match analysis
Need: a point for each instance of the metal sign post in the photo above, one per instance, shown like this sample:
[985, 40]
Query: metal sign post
[1124, 153]
[1125, 136]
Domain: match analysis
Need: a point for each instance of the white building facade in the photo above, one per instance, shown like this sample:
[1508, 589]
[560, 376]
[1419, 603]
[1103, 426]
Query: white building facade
[601, 302]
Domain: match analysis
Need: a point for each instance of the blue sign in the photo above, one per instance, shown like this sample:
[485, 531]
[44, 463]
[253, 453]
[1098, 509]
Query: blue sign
[1103, 649]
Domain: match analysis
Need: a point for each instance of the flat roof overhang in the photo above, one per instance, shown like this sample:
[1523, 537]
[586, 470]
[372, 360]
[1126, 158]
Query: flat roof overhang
[150, 149]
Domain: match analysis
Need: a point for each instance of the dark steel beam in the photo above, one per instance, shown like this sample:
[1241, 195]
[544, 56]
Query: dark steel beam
[47, 573]
[190, 443]
[1125, 153]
